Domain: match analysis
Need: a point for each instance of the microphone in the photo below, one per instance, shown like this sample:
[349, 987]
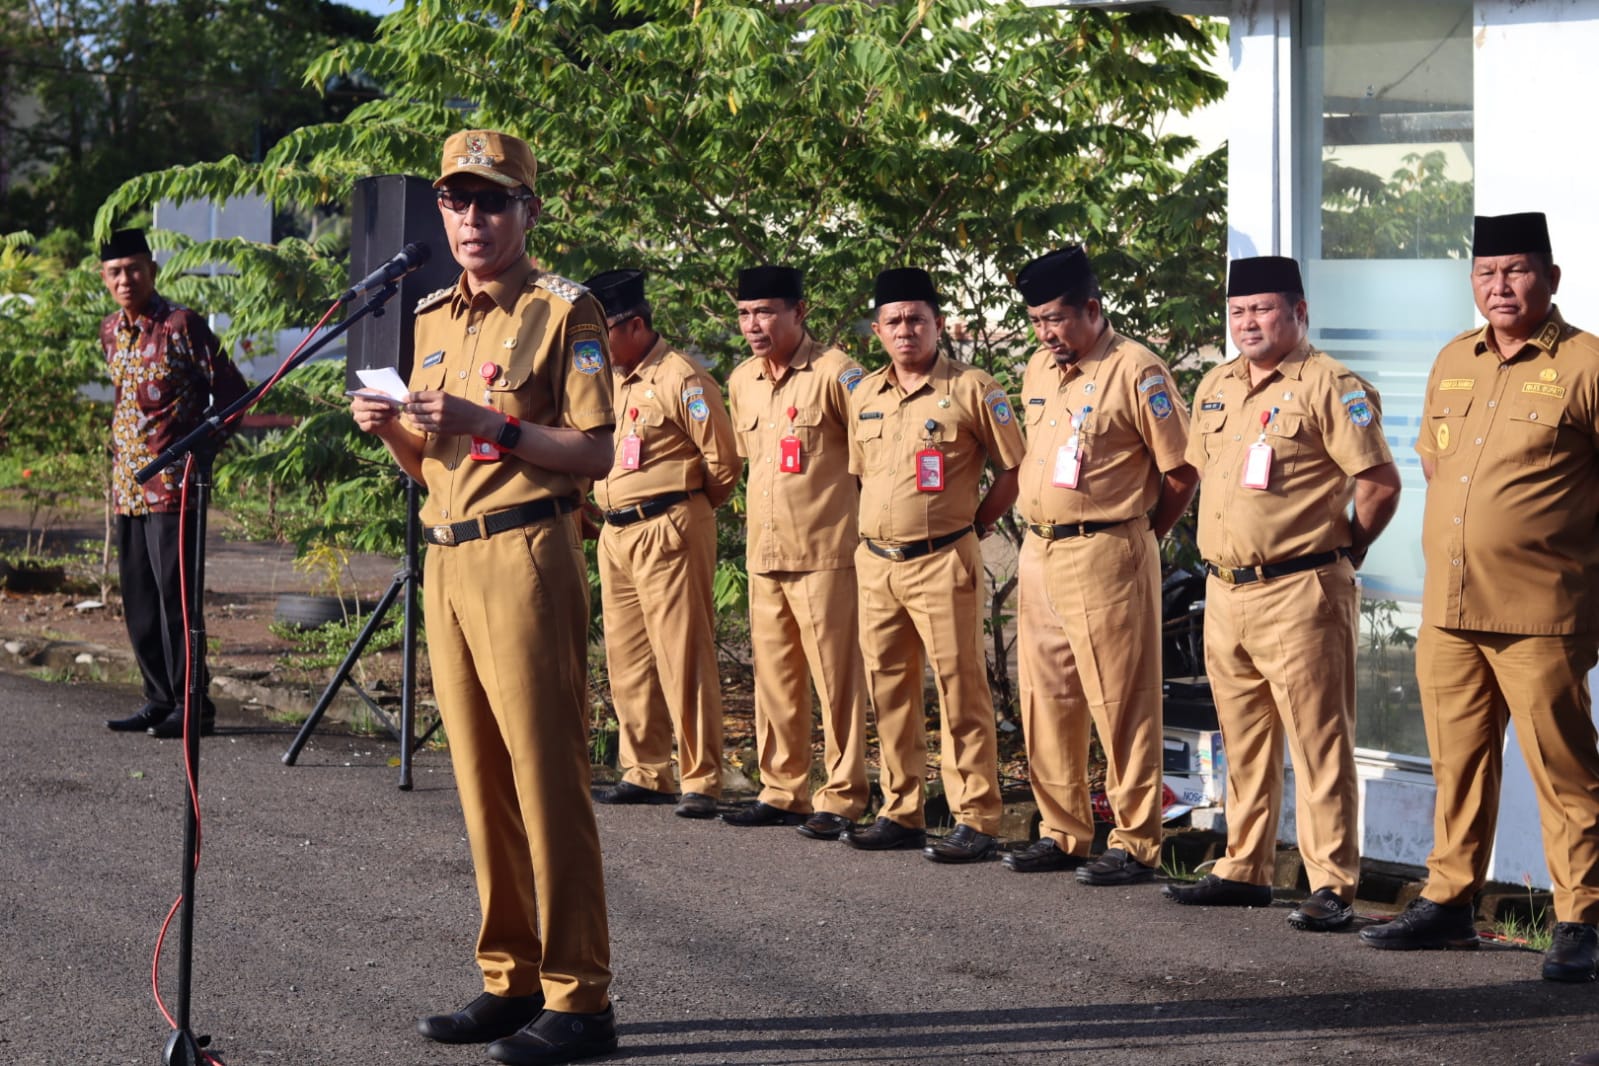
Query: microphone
[407, 259]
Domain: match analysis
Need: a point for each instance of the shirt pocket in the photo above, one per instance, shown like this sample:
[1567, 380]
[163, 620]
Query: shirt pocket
[1033, 413]
[808, 428]
[1446, 422]
[1530, 428]
[1288, 436]
[875, 449]
[515, 391]
[1210, 426]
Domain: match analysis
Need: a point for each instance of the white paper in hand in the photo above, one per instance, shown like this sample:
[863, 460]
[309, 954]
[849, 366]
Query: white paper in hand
[385, 380]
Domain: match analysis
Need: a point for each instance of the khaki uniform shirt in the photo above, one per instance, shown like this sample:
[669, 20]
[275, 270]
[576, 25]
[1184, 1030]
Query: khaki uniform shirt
[1327, 428]
[1135, 428]
[685, 437]
[1511, 528]
[806, 520]
[972, 423]
[543, 339]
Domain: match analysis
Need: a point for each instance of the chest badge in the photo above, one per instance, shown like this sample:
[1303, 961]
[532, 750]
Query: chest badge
[1288, 396]
[509, 342]
[1548, 373]
[1088, 390]
[944, 402]
[1443, 438]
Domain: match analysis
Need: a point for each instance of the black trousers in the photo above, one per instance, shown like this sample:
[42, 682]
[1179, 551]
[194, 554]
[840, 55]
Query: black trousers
[152, 603]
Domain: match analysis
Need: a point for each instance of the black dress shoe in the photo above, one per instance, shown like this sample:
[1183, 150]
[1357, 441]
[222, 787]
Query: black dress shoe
[1321, 913]
[488, 1017]
[172, 725]
[628, 792]
[695, 805]
[139, 720]
[824, 825]
[885, 834]
[556, 1036]
[1040, 856]
[965, 844]
[1115, 867]
[1425, 926]
[1574, 955]
[1213, 891]
[758, 814]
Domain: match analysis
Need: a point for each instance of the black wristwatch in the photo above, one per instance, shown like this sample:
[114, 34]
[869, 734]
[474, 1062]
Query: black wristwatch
[509, 434]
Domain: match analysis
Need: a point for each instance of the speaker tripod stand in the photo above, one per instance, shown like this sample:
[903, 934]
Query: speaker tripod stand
[406, 582]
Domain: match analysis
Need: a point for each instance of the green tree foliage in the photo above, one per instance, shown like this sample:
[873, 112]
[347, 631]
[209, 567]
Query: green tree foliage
[1418, 213]
[97, 91]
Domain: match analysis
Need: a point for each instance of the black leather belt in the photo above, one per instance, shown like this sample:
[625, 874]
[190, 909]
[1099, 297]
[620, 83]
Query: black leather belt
[498, 522]
[1244, 575]
[916, 548]
[1070, 529]
[638, 512]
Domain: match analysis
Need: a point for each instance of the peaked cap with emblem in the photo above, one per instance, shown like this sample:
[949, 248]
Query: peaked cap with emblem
[1263, 273]
[499, 157]
[1053, 275]
[124, 243]
[1525, 233]
[905, 285]
[771, 283]
[618, 290]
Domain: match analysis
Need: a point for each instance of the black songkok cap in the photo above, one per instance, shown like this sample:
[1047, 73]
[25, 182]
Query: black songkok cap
[1053, 275]
[904, 284]
[1263, 273]
[618, 290]
[771, 283]
[124, 243]
[1525, 233]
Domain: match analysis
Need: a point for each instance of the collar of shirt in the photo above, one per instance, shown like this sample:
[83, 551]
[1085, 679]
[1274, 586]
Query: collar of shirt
[800, 360]
[644, 370]
[1292, 366]
[155, 309]
[1548, 335]
[939, 378]
[504, 290]
[1095, 356]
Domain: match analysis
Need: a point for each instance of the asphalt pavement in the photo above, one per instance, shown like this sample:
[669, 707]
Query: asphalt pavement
[332, 909]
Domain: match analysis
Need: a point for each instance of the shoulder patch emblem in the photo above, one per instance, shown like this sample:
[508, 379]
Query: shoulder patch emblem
[691, 392]
[1160, 404]
[588, 357]
[1151, 381]
[1000, 406]
[698, 410]
[565, 288]
[1351, 397]
[1360, 412]
[851, 377]
[433, 299]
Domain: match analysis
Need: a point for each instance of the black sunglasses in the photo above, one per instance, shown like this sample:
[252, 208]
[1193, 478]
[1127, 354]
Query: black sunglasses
[489, 201]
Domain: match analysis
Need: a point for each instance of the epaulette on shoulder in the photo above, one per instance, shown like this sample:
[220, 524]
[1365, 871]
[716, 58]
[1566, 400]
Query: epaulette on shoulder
[565, 288]
[1467, 335]
[433, 299]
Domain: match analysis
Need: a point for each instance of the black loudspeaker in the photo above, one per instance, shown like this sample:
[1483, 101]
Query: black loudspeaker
[388, 212]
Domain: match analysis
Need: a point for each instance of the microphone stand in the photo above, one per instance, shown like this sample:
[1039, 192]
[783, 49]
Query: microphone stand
[182, 1046]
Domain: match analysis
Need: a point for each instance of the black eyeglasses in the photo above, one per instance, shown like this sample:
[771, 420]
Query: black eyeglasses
[489, 201]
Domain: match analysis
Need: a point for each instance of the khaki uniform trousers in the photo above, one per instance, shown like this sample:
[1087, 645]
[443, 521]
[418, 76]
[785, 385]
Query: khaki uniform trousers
[1471, 684]
[507, 624]
[930, 606]
[660, 646]
[1281, 658]
[1088, 648]
[803, 629]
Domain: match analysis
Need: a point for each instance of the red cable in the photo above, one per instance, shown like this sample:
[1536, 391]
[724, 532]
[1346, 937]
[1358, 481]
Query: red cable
[188, 666]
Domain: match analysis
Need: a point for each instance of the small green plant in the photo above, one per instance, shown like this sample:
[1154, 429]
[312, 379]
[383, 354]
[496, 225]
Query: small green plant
[1532, 931]
[1174, 869]
[326, 646]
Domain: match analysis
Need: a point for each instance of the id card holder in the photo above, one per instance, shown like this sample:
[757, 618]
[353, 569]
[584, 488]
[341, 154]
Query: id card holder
[789, 456]
[485, 451]
[1257, 466]
[929, 470]
[1068, 465]
[632, 451]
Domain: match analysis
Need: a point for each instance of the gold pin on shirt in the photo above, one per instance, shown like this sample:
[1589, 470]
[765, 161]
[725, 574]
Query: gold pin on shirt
[1548, 373]
[1443, 437]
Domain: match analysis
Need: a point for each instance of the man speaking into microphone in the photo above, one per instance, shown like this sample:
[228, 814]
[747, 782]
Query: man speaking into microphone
[509, 410]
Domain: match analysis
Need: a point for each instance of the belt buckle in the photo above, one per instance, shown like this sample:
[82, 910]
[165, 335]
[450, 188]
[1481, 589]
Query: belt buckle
[896, 553]
[1227, 574]
[443, 534]
[1047, 532]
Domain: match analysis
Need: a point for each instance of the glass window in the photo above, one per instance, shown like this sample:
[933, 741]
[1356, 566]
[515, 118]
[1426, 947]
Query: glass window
[1384, 178]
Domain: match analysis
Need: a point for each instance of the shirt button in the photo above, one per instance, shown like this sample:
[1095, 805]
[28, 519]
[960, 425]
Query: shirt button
[471, 329]
[1454, 562]
[1237, 437]
[1463, 479]
[768, 458]
[1479, 440]
[1052, 421]
[1446, 410]
[766, 494]
[463, 375]
[1533, 417]
[1493, 403]
[1457, 520]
